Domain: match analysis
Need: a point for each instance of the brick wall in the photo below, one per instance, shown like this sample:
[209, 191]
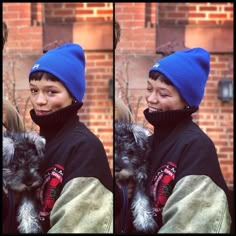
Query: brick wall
[32, 26]
[196, 13]
[149, 30]
[138, 32]
[24, 37]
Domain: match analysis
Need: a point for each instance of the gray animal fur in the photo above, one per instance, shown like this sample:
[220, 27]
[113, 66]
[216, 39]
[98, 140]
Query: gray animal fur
[131, 153]
[23, 154]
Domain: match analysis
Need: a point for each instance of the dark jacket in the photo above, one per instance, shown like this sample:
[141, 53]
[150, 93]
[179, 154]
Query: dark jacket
[76, 194]
[186, 182]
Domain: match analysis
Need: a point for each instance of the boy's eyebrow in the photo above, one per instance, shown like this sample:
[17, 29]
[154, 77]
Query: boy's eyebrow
[46, 86]
[30, 83]
[161, 88]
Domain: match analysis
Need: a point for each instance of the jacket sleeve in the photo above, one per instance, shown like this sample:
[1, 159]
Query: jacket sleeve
[84, 206]
[196, 205]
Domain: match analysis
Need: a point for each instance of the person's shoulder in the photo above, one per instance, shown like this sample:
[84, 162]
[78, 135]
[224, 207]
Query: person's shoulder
[202, 133]
[7, 106]
[85, 134]
[11, 119]
[194, 133]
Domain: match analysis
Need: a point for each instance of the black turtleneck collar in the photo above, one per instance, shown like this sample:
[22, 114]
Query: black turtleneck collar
[165, 122]
[52, 123]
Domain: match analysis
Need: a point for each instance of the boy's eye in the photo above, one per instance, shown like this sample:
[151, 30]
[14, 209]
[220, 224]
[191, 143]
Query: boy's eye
[163, 95]
[52, 91]
[33, 90]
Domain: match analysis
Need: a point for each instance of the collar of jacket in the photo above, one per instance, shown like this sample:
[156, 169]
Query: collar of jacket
[165, 122]
[52, 123]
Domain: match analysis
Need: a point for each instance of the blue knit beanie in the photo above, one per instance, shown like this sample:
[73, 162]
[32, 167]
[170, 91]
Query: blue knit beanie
[188, 71]
[67, 63]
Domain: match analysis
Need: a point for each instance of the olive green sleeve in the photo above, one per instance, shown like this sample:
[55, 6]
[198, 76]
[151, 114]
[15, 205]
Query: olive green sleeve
[196, 205]
[84, 206]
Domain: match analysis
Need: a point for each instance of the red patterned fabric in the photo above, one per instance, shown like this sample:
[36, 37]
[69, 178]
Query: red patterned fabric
[50, 191]
[161, 188]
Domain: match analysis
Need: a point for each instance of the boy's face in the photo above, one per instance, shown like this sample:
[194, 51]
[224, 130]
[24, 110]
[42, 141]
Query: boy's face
[48, 96]
[162, 97]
